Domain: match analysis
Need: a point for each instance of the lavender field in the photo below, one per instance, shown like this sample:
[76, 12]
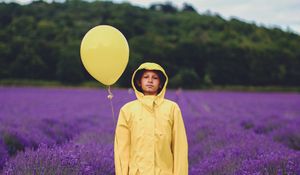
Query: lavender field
[71, 130]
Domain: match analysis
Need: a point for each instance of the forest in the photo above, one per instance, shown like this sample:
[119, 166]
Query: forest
[41, 41]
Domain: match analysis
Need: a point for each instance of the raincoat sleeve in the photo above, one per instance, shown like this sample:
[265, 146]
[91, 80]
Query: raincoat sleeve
[179, 144]
[122, 145]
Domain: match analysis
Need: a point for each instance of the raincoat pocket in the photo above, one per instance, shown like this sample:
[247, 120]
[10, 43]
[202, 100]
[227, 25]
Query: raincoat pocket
[164, 127]
[137, 127]
[165, 122]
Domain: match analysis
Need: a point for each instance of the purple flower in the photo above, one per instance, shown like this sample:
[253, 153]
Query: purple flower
[71, 131]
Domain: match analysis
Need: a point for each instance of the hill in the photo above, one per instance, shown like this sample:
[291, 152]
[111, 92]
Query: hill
[42, 40]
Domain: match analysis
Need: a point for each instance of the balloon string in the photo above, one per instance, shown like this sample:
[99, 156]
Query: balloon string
[110, 96]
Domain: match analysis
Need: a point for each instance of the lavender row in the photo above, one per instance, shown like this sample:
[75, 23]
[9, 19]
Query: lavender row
[228, 132]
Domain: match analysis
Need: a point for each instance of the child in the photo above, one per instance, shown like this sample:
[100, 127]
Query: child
[150, 135]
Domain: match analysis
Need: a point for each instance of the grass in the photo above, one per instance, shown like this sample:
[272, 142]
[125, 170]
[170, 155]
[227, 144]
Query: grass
[47, 83]
[95, 84]
[257, 88]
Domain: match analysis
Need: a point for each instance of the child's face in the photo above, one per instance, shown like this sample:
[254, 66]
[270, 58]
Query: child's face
[150, 82]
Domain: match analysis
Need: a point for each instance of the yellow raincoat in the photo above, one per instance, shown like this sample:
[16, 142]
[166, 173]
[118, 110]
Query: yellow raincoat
[150, 136]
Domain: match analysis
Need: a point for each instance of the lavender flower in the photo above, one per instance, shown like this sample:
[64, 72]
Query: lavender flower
[71, 131]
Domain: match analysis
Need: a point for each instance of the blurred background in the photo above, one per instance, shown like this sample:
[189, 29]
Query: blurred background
[204, 45]
[198, 47]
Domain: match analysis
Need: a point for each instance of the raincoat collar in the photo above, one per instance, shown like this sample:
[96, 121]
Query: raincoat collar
[150, 100]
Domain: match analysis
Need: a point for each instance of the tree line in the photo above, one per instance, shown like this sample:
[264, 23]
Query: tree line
[41, 41]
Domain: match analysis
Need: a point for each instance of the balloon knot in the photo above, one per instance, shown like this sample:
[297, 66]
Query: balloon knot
[110, 96]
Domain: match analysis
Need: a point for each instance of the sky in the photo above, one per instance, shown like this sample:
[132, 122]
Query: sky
[284, 14]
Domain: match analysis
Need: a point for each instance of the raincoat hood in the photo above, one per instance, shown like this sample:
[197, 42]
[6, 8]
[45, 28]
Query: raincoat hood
[146, 99]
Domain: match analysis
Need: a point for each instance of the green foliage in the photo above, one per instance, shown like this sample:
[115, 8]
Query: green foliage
[41, 41]
[13, 143]
[186, 78]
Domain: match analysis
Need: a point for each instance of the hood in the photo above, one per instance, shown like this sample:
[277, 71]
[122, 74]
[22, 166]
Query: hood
[148, 100]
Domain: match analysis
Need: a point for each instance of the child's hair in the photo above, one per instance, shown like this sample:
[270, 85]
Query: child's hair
[138, 76]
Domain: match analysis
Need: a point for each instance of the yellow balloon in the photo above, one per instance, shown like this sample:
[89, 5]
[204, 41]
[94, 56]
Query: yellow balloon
[104, 53]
